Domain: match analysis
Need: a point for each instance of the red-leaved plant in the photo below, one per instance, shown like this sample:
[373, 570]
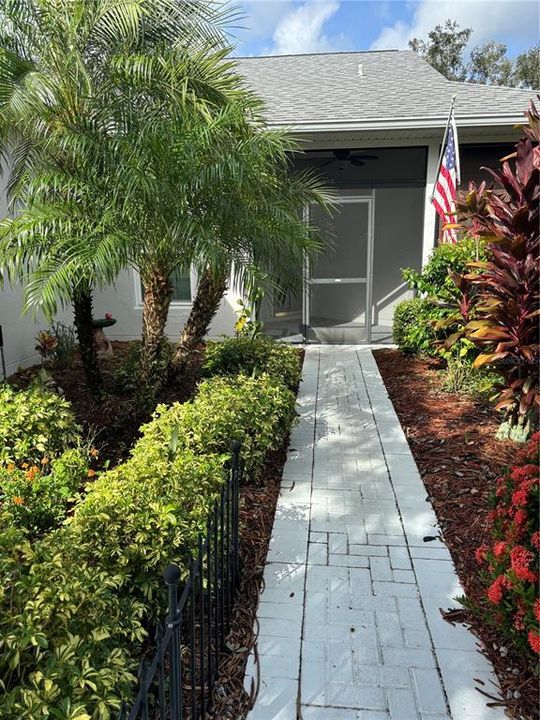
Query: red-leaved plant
[510, 560]
[505, 325]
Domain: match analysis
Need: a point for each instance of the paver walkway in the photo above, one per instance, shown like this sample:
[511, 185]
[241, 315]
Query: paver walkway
[350, 627]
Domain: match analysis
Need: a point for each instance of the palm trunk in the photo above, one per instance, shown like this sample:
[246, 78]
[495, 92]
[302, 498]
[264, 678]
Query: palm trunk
[157, 299]
[82, 315]
[212, 287]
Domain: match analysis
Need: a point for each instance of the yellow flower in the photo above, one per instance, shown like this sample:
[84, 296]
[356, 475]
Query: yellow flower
[239, 325]
[11, 467]
[24, 465]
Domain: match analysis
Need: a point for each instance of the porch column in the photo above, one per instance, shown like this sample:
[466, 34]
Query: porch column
[428, 240]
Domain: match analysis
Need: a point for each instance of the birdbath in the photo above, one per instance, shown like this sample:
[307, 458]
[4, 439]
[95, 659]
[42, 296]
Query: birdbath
[102, 343]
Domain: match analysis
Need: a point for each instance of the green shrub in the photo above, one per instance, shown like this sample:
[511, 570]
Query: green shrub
[34, 424]
[75, 604]
[79, 598]
[37, 497]
[460, 376]
[127, 374]
[412, 329]
[434, 280]
[65, 631]
[66, 343]
[253, 357]
[257, 411]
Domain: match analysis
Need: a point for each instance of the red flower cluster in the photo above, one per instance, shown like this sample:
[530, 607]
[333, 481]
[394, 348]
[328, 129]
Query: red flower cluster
[511, 558]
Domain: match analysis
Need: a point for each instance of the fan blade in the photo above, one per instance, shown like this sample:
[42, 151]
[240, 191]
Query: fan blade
[357, 162]
[324, 164]
[362, 156]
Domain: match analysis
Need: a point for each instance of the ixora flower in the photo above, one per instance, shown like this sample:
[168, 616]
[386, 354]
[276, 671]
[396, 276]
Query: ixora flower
[520, 560]
[535, 539]
[32, 472]
[108, 316]
[522, 473]
[499, 549]
[534, 640]
[536, 609]
[496, 590]
[480, 554]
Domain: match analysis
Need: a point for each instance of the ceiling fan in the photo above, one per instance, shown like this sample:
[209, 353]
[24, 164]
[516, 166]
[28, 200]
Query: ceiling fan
[346, 155]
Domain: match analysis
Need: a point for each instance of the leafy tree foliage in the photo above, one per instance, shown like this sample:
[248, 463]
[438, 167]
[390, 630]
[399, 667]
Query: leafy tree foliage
[69, 69]
[488, 64]
[444, 49]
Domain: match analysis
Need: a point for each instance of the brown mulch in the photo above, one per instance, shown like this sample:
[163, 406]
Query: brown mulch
[453, 442]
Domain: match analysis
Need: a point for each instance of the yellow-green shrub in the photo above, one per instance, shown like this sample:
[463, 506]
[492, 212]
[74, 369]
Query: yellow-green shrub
[258, 411]
[253, 356]
[37, 497]
[74, 605]
[34, 423]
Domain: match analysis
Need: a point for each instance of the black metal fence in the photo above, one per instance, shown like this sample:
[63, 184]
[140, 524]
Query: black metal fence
[178, 683]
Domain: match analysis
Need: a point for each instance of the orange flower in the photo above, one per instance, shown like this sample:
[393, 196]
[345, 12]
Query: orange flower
[91, 473]
[45, 461]
[18, 500]
[25, 465]
[94, 452]
[11, 467]
[31, 474]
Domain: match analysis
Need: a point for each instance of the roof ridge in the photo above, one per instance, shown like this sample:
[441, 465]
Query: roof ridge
[318, 54]
[470, 83]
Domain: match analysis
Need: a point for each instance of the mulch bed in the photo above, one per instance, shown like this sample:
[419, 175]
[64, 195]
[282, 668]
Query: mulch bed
[453, 442]
[115, 422]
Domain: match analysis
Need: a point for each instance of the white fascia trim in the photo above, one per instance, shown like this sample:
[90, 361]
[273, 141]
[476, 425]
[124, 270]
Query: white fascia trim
[414, 123]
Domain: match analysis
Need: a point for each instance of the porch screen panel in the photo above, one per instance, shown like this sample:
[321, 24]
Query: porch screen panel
[338, 283]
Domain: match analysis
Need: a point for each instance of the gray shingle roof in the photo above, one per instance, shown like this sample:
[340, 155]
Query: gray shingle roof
[328, 88]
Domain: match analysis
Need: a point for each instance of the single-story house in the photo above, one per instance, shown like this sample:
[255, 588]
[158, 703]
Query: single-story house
[372, 124]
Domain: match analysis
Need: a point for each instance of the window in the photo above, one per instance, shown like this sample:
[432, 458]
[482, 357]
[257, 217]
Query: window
[181, 286]
[181, 282]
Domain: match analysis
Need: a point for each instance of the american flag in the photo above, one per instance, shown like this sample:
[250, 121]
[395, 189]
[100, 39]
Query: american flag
[444, 194]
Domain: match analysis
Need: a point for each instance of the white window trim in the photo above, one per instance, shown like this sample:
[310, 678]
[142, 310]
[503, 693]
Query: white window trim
[174, 303]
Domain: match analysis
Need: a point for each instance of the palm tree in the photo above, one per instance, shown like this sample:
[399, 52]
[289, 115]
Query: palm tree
[68, 71]
[255, 230]
[161, 188]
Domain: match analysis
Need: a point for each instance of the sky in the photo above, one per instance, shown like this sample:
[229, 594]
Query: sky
[281, 27]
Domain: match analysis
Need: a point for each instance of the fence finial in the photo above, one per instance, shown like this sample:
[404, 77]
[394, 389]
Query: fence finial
[171, 575]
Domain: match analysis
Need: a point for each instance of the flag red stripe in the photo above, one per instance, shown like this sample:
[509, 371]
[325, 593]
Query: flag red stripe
[449, 179]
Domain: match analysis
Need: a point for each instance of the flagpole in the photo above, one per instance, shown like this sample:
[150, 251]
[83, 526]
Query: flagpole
[443, 144]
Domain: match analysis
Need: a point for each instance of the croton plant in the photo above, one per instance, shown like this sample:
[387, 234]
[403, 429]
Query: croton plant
[505, 326]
